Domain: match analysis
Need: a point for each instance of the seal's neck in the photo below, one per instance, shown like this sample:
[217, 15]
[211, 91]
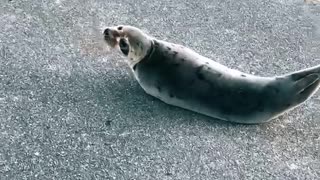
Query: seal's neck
[146, 57]
[139, 51]
[140, 44]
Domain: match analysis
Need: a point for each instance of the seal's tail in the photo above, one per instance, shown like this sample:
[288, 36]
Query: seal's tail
[305, 83]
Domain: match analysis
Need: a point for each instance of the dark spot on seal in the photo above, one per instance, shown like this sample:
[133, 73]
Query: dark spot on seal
[175, 53]
[135, 67]
[207, 63]
[182, 59]
[242, 75]
[139, 45]
[169, 48]
[159, 88]
[171, 95]
[198, 72]
[120, 28]
[131, 59]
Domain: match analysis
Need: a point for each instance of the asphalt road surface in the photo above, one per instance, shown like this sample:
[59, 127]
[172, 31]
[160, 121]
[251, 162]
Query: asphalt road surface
[71, 109]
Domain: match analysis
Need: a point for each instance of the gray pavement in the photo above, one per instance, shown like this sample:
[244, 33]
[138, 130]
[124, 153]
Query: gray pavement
[71, 109]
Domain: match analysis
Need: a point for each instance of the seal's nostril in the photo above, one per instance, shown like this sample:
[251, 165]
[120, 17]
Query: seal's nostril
[106, 32]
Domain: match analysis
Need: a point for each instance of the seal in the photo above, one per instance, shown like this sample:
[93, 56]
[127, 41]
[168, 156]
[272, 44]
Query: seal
[181, 77]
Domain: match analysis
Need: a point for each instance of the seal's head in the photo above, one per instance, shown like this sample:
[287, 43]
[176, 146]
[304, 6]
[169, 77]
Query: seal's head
[131, 41]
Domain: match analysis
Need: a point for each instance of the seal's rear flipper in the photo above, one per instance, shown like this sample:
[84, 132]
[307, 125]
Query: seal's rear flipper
[305, 87]
[303, 83]
[308, 92]
[305, 72]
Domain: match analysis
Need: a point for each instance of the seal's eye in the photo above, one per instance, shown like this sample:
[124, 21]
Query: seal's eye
[124, 46]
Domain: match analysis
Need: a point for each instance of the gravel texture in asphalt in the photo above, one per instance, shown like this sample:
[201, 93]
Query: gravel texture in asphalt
[71, 109]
